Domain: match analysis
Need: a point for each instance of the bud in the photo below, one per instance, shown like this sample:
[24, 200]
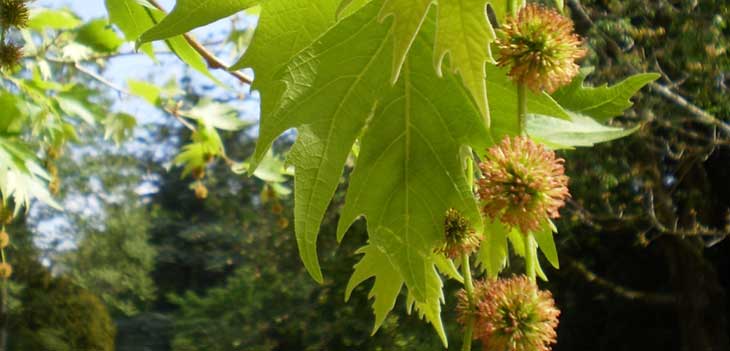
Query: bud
[54, 186]
[460, 237]
[14, 13]
[4, 239]
[523, 184]
[540, 48]
[6, 270]
[10, 55]
[53, 153]
[511, 315]
[6, 213]
[282, 222]
[277, 208]
[201, 192]
[198, 173]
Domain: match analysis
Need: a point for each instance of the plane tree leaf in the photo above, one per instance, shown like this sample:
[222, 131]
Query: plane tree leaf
[579, 131]
[408, 17]
[602, 102]
[331, 89]
[493, 252]
[285, 28]
[387, 286]
[409, 173]
[465, 34]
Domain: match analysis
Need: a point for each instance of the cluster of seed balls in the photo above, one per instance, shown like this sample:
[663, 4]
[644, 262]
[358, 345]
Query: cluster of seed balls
[13, 14]
[523, 185]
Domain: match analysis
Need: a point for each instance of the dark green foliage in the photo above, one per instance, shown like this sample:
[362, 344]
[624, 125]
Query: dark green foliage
[662, 281]
[231, 279]
[52, 313]
[56, 315]
[114, 262]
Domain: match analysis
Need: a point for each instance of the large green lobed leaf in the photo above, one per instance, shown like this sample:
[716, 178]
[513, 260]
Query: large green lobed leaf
[332, 87]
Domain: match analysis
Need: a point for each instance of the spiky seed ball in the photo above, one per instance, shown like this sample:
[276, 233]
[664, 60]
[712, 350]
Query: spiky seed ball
[523, 184]
[4, 239]
[6, 270]
[540, 48]
[14, 13]
[459, 236]
[513, 315]
[10, 55]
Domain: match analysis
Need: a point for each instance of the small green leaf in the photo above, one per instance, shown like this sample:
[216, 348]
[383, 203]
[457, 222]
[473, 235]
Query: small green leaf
[41, 19]
[191, 14]
[579, 131]
[493, 252]
[149, 92]
[21, 177]
[76, 108]
[271, 169]
[517, 239]
[546, 243]
[603, 102]
[11, 117]
[99, 36]
[216, 115]
[119, 127]
[206, 145]
[447, 267]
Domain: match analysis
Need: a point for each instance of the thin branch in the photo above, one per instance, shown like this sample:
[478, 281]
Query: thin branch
[702, 115]
[173, 111]
[213, 61]
[618, 290]
[697, 230]
[101, 79]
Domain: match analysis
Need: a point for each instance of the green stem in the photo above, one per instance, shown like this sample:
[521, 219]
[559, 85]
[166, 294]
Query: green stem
[469, 287]
[514, 6]
[530, 257]
[470, 171]
[522, 108]
[2, 251]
